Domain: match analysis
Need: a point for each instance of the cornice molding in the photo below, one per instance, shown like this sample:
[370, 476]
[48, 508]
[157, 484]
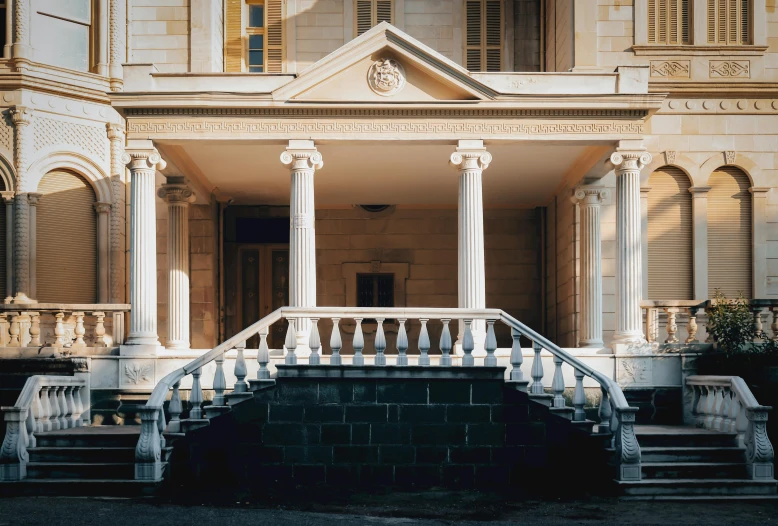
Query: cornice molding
[690, 50]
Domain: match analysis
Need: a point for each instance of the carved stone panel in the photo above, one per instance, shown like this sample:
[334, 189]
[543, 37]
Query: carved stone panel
[634, 371]
[670, 68]
[730, 69]
[136, 374]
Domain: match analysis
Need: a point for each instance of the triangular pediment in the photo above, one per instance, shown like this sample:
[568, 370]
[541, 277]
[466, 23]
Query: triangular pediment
[384, 65]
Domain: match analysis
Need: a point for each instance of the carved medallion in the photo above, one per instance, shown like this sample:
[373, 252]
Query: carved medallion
[386, 77]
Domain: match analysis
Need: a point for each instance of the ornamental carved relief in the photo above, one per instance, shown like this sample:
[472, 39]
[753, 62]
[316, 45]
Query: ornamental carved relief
[386, 77]
[730, 68]
[670, 68]
[51, 132]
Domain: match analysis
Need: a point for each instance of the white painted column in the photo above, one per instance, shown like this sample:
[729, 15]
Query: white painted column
[303, 160]
[22, 118]
[143, 337]
[8, 197]
[178, 196]
[103, 251]
[629, 264]
[589, 201]
[117, 31]
[22, 51]
[471, 159]
[34, 199]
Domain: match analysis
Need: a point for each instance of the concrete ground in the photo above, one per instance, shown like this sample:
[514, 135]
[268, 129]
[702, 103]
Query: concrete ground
[425, 509]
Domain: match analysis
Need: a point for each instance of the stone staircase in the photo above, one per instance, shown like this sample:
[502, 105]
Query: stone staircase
[681, 462]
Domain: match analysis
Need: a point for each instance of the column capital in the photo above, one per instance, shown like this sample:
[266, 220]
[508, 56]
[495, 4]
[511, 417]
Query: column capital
[143, 160]
[466, 158]
[630, 160]
[102, 208]
[589, 195]
[759, 191]
[302, 155]
[114, 131]
[176, 194]
[21, 115]
[699, 191]
[34, 198]
[8, 196]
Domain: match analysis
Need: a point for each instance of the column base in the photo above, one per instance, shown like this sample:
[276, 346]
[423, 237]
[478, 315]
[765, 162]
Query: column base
[632, 348]
[177, 345]
[591, 343]
[21, 298]
[140, 349]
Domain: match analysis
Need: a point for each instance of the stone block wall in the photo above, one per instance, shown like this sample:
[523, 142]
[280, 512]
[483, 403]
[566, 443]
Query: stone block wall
[159, 34]
[433, 23]
[319, 25]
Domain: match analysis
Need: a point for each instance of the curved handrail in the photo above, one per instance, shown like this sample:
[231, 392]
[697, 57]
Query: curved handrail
[735, 383]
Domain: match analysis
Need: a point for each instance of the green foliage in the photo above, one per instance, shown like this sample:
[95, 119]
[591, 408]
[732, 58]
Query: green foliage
[731, 323]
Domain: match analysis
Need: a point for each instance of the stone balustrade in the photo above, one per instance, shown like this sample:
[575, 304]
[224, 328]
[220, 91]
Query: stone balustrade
[616, 416]
[46, 403]
[726, 404]
[62, 325]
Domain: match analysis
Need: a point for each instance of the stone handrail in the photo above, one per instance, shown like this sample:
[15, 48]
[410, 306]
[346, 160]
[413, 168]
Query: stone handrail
[20, 324]
[46, 403]
[726, 404]
[615, 413]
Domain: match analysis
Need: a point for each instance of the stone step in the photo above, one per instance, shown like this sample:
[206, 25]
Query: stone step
[687, 439]
[692, 454]
[80, 488]
[81, 470]
[693, 470]
[82, 454]
[696, 487]
[90, 436]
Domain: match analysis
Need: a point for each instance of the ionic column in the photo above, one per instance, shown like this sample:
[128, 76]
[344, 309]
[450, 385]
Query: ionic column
[117, 217]
[8, 197]
[303, 160]
[103, 251]
[34, 198]
[22, 51]
[143, 337]
[589, 201]
[178, 196]
[116, 42]
[22, 118]
[629, 266]
[471, 159]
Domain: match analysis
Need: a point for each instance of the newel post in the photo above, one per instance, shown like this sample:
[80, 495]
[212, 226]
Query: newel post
[148, 453]
[626, 443]
[13, 454]
[759, 450]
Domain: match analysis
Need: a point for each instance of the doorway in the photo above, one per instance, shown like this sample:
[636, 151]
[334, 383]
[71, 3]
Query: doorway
[263, 286]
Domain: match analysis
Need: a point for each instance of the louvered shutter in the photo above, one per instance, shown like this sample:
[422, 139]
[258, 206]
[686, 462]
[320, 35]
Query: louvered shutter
[233, 40]
[274, 10]
[729, 233]
[473, 29]
[383, 11]
[670, 258]
[668, 22]
[372, 12]
[729, 22]
[66, 240]
[483, 39]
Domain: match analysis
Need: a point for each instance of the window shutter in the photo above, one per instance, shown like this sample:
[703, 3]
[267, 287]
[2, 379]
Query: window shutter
[729, 233]
[372, 12]
[383, 11]
[233, 41]
[274, 10]
[668, 22]
[66, 206]
[729, 22]
[473, 28]
[670, 263]
[652, 35]
[493, 35]
[483, 42]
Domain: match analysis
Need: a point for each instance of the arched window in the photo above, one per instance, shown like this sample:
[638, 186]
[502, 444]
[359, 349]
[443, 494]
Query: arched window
[66, 266]
[729, 233]
[670, 247]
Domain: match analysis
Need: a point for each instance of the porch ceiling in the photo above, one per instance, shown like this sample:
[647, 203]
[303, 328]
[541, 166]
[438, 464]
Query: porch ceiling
[521, 174]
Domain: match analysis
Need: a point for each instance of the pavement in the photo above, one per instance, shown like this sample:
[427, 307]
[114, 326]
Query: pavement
[424, 509]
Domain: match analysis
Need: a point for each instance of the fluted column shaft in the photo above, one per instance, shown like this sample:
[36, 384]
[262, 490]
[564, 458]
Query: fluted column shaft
[303, 160]
[143, 246]
[471, 159]
[22, 118]
[629, 266]
[590, 330]
[178, 198]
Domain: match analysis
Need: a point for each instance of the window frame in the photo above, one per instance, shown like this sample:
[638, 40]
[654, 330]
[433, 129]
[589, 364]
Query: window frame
[679, 24]
[91, 25]
[483, 47]
[250, 31]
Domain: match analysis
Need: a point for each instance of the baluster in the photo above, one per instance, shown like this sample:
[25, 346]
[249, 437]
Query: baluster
[5, 336]
[79, 330]
[37, 411]
[59, 330]
[726, 402]
[196, 396]
[718, 406]
[699, 419]
[692, 327]
[516, 357]
[14, 331]
[45, 423]
[336, 343]
[558, 384]
[29, 423]
[263, 357]
[741, 421]
[35, 329]
[174, 408]
[758, 322]
[649, 325]
[468, 345]
[71, 415]
[240, 370]
[358, 344]
[63, 408]
[402, 344]
[734, 411]
[424, 343]
[291, 344]
[314, 343]
[774, 325]
[710, 403]
[100, 340]
[161, 424]
[55, 411]
[490, 345]
[537, 371]
[604, 413]
[579, 398]
[219, 382]
[672, 327]
[79, 405]
[445, 344]
[380, 343]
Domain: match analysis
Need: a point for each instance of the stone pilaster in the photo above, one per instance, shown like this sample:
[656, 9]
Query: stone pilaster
[471, 159]
[116, 42]
[103, 211]
[22, 51]
[34, 198]
[589, 200]
[118, 214]
[629, 265]
[143, 337]
[22, 118]
[178, 197]
[8, 197]
[303, 160]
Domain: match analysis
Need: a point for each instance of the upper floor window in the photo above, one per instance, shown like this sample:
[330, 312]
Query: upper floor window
[483, 35]
[370, 13]
[668, 22]
[255, 36]
[729, 22]
[62, 31]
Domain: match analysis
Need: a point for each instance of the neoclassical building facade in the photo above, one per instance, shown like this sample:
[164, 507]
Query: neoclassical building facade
[175, 170]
